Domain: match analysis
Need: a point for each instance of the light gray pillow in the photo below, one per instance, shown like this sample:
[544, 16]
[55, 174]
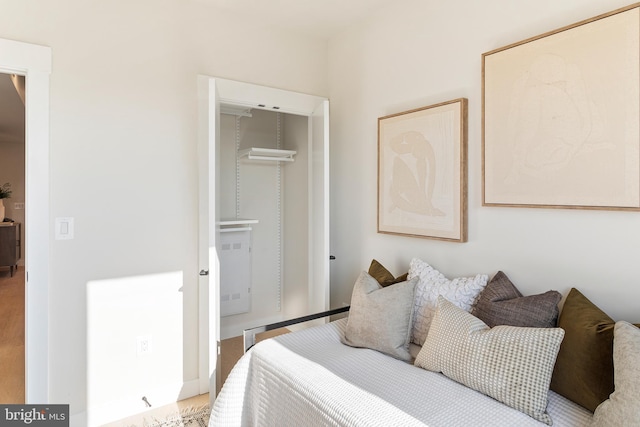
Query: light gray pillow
[380, 318]
[623, 406]
[511, 364]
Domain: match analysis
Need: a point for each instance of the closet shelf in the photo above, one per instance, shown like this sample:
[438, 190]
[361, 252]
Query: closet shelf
[237, 221]
[270, 154]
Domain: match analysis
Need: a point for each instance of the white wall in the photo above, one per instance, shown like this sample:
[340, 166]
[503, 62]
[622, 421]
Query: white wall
[123, 144]
[420, 52]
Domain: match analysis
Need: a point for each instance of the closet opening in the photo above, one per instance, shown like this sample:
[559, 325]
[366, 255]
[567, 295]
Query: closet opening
[264, 217]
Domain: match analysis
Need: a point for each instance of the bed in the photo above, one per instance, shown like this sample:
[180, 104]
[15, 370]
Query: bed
[421, 349]
[310, 378]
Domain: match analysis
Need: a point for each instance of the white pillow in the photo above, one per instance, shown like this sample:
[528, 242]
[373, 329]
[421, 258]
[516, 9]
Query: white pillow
[461, 291]
[509, 363]
[623, 406]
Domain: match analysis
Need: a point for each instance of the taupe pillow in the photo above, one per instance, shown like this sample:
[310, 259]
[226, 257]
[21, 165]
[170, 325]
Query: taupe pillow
[384, 276]
[511, 364]
[623, 406]
[380, 318]
[501, 303]
[584, 369]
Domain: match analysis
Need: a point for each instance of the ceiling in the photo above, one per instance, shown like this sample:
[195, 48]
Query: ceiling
[11, 112]
[318, 18]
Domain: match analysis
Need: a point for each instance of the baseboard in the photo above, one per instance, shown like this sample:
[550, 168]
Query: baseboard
[134, 405]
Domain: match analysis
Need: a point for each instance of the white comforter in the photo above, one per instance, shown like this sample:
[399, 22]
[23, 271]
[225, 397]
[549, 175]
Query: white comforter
[309, 378]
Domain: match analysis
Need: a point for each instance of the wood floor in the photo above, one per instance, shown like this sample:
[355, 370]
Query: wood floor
[12, 326]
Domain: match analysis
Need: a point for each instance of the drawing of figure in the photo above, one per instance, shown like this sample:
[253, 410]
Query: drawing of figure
[554, 120]
[412, 188]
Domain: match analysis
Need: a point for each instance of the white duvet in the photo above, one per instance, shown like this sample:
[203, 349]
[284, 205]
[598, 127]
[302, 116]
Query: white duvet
[309, 378]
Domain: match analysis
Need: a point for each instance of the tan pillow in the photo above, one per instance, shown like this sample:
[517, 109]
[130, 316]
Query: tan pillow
[380, 318]
[511, 364]
[623, 407]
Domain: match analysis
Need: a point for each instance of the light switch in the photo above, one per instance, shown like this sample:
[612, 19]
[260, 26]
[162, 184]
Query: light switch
[64, 228]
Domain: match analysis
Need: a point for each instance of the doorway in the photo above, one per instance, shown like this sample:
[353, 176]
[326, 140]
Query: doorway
[12, 229]
[214, 94]
[34, 63]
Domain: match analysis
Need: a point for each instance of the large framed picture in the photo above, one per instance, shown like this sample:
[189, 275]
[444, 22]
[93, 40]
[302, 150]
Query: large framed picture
[561, 117]
[422, 172]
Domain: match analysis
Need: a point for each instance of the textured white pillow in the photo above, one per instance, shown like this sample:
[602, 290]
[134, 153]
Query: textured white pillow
[623, 406]
[509, 363]
[380, 318]
[461, 291]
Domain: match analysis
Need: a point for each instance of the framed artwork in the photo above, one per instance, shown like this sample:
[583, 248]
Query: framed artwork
[561, 117]
[422, 172]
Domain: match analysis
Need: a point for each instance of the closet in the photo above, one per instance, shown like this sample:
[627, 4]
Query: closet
[264, 217]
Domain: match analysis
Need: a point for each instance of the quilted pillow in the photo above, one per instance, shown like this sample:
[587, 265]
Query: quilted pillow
[384, 276]
[511, 364]
[623, 407]
[501, 303]
[461, 291]
[584, 369]
[380, 318]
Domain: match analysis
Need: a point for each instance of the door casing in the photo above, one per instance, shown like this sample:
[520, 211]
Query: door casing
[212, 92]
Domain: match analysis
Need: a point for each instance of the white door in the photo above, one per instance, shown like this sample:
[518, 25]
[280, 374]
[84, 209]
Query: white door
[319, 209]
[208, 235]
[211, 93]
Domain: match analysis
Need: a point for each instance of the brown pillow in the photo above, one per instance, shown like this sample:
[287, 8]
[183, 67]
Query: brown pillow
[584, 367]
[501, 303]
[383, 276]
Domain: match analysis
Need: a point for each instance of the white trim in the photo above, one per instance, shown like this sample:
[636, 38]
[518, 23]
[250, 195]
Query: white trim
[35, 63]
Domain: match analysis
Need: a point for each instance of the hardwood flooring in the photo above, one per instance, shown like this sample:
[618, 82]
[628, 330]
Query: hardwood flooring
[12, 325]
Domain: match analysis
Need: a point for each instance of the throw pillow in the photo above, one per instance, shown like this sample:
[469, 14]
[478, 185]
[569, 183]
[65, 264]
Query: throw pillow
[501, 303]
[383, 276]
[584, 369]
[623, 407]
[380, 318]
[461, 291]
[511, 364]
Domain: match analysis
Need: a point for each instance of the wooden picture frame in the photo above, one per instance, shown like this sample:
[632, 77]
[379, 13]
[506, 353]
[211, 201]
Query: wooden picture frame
[422, 172]
[561, 117]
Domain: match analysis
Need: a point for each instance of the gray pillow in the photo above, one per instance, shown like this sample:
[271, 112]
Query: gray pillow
[501, 303]
[513, 365]
[380, 318]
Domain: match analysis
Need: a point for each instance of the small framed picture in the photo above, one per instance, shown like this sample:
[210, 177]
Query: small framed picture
[422, 172]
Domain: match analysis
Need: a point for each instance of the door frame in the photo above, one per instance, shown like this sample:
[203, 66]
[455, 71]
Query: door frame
[34, 62]
[213, 91]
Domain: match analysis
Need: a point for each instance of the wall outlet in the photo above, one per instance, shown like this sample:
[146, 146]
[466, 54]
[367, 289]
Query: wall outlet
[17, 206]
[144, 345]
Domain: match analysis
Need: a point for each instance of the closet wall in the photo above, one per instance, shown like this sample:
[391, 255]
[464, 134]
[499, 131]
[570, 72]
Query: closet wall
[276, 194]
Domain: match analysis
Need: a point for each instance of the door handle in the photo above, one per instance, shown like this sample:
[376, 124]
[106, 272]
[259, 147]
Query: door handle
[204, 272]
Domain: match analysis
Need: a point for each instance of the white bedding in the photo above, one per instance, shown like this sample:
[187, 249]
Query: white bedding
[309, 378]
